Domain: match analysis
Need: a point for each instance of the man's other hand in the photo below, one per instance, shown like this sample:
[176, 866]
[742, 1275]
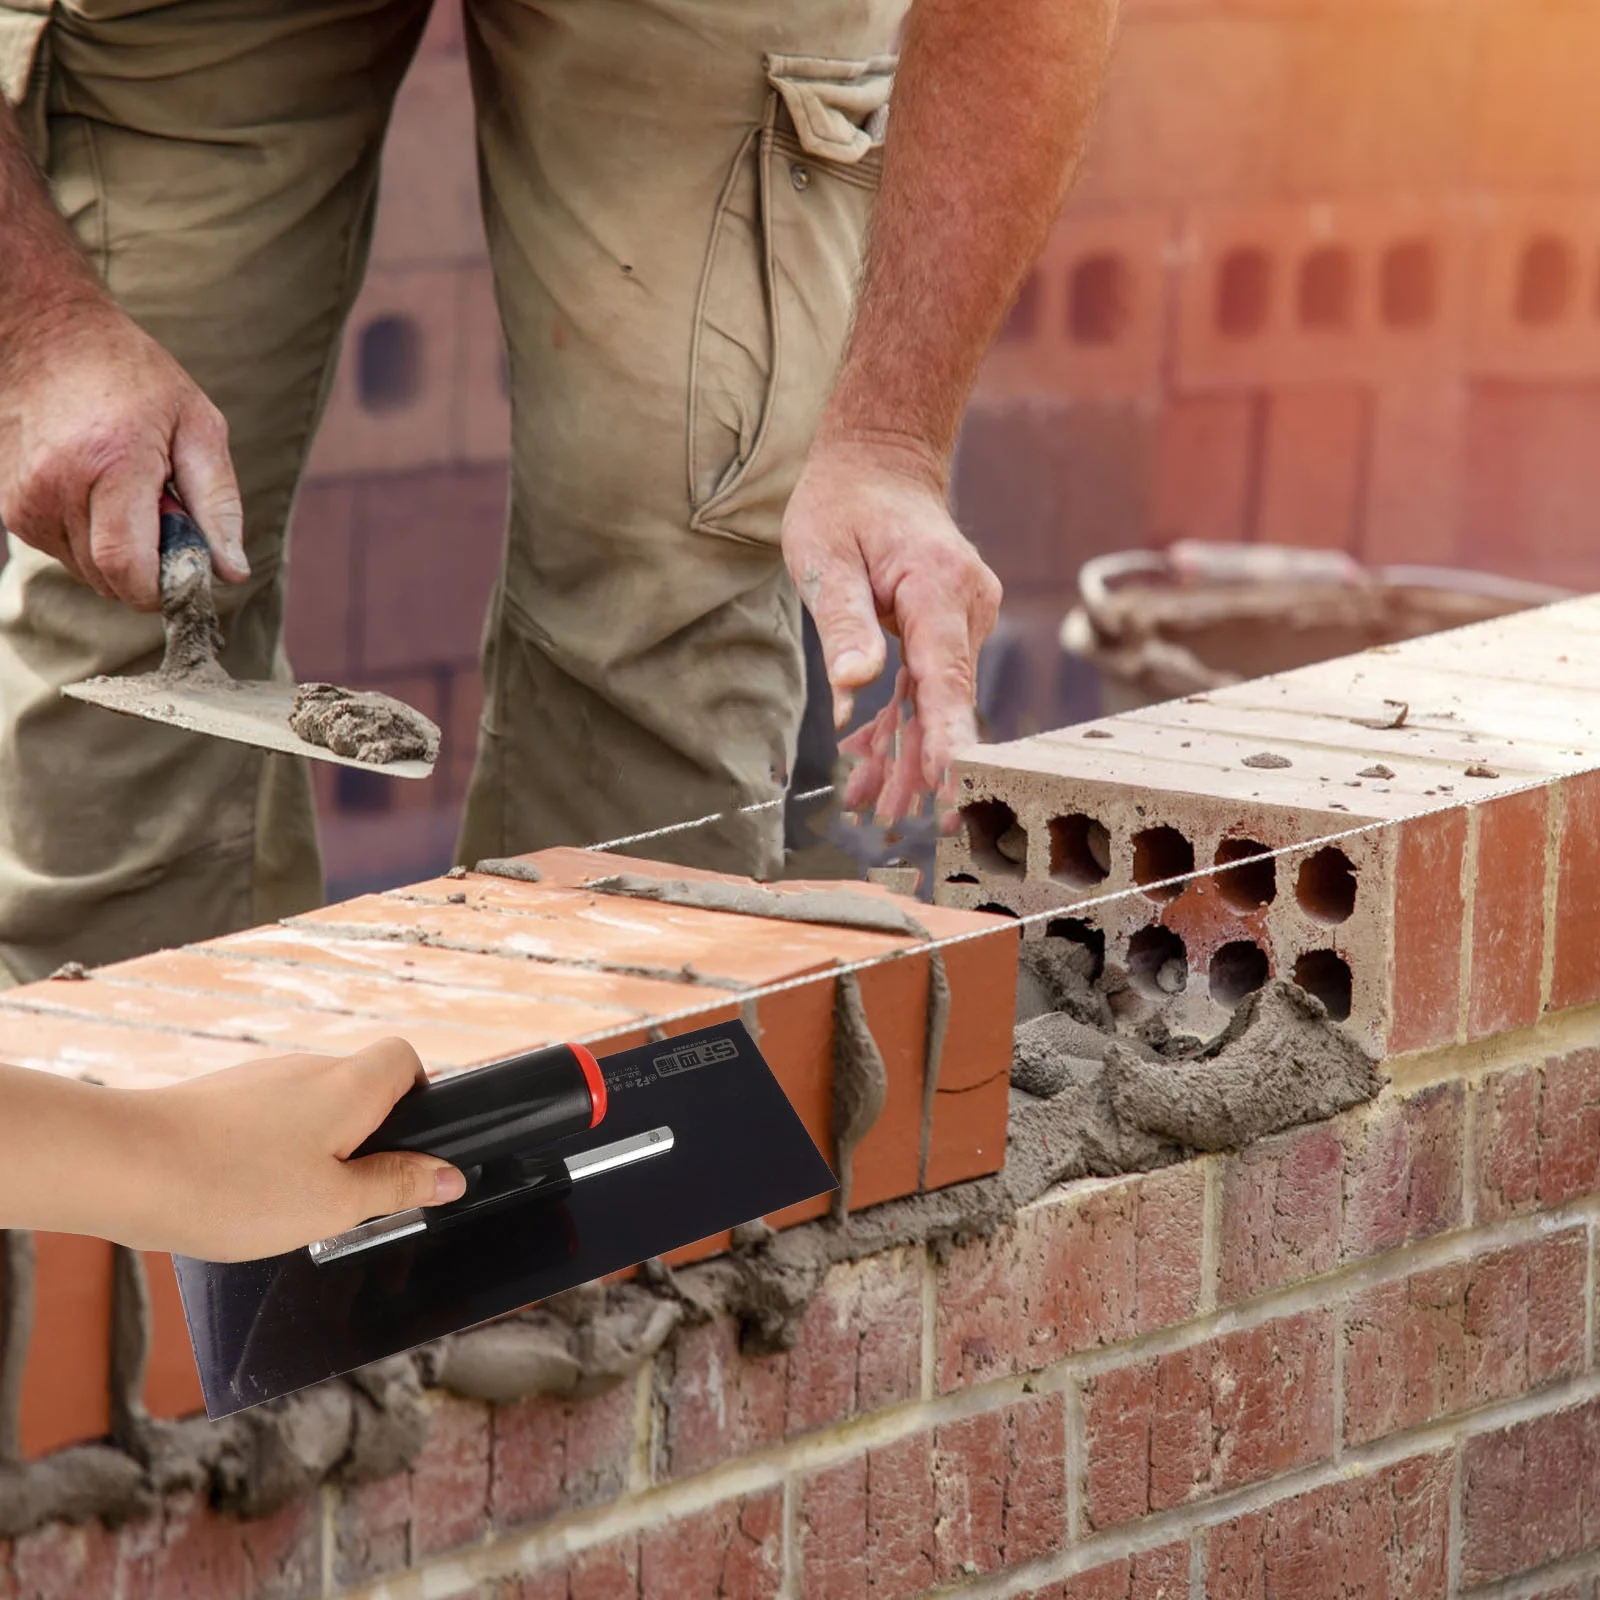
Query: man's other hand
[95, 418]
[870, 543]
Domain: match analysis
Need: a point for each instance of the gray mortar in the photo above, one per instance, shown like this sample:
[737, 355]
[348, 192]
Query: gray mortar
[189, 618]
[860, 1085]
[362, 725]
[508, 867]
[835, 908]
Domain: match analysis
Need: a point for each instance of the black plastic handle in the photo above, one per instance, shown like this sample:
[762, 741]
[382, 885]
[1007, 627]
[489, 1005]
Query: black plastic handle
[489, 1113]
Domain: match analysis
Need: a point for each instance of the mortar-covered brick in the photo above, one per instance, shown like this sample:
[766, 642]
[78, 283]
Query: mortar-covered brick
[867, 1526]
[1088, 1264]
[859, 1349]
[1575, 979]
[1000, 1488]
[372, 1529]
[1530, 1494]
[183, 1552]
[1428, 923]
[1232, 1410]
[1508, 914]
[1464, 1335]
[549, 1456]
[1536, 1135]
[1383, 1533]
[605, 1572]
[1281, 1200]
[1402, 1169]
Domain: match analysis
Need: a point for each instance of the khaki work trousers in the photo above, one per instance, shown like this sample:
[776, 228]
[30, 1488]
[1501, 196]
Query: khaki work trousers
[675, 193]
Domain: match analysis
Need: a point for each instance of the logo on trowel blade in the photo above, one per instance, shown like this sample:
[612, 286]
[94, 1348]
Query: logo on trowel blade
[705, 1053]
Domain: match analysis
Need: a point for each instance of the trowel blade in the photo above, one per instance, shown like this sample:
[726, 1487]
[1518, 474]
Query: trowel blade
[262, 1329]
[249, 712]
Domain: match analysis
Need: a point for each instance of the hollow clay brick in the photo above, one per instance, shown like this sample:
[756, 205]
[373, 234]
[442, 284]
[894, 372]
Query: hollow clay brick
[1508, 914]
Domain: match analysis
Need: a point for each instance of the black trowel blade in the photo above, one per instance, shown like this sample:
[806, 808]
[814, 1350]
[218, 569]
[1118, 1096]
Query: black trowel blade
[262, 1329]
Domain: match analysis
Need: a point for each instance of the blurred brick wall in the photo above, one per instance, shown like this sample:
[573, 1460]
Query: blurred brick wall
[1331, 277]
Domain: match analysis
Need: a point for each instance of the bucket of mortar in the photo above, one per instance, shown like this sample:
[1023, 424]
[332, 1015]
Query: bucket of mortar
[1157, 624]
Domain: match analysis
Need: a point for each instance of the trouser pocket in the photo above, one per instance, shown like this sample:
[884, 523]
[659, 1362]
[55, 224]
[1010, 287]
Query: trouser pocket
[778, 287]
[24, 71]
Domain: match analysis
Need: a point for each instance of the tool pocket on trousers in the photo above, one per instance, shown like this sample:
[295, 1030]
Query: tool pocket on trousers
[24, 68]
[777, 289]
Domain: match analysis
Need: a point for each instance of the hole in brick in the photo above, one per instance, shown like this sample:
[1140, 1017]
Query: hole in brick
[388, 364]
[1327, 287]
[961, 877]
[1161, 853]
[1244, 288]
[1080, 850]
[1158, 964]
[1022, 322]
[1237, 969]
[998, 909]
[1250, 883]
[1544, 281]
[1326, 975]
[362, 792]
[1098, 299]
[1326, 886]
[1082, 933]
[998, 842]
[1409, 284]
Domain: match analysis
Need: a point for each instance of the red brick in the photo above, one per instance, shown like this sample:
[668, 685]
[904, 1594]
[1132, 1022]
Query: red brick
[1281, 1202]
[734, 1551]
[1231, 1411]
[450, 1478]
[1385, 1535]
[1314, 465]
[606, 1572]
[549, 1456]
[1463, 1336]
[1402, 1170]
[1161, 1574]
[372, 1529]
[317, 622]
[867, 1525]
[859, 1349]
[1428, 921]
[1535, 100]
[64, 1396]
[415, 608]
[1576, 978]
[1537, 1135]
[184, 1551]
[1530, 1494]
[718, 1403]
[1205, 470]
[1000, 1488]
[1085, 1266]
[1508, 914]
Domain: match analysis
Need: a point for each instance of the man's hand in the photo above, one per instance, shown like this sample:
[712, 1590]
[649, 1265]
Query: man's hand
[232, 1166]
[95, 418]
[868, 540]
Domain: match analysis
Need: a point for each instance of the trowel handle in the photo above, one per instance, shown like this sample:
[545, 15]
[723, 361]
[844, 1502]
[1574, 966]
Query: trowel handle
[179, 533]
[505, 1109]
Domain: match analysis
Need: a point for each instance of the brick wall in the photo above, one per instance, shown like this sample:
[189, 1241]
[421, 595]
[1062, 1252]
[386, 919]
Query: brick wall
[1355, 1358]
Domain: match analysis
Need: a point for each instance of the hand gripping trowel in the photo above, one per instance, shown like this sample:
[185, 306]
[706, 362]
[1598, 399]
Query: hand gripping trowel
[575, 1169]
[192, 690]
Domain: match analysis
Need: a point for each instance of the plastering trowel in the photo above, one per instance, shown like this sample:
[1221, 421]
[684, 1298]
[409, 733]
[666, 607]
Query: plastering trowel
[575, 1169]
[193, 690]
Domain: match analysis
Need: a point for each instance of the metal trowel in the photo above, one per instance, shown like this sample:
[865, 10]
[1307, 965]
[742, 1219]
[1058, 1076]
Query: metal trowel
[193, 690]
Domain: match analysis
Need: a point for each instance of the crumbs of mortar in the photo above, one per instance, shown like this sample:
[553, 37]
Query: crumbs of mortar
[362, 725]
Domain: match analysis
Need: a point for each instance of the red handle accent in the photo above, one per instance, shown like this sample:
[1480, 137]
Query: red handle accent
[595, 1079]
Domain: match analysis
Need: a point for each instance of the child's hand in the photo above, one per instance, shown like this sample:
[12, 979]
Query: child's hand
[256, 1154]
